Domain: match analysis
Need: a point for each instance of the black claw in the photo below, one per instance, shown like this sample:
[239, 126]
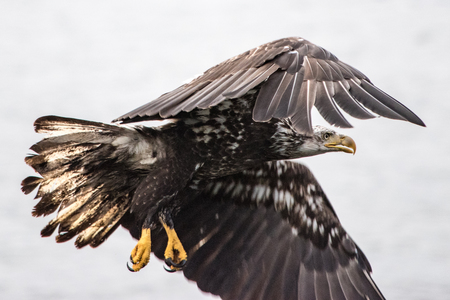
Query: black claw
[130, 268]
[131, 260]
[181, 264]
[169, 270]
[170, 263]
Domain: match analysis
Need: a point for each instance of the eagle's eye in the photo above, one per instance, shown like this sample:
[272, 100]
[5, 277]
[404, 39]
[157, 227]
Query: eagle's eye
[326, 135]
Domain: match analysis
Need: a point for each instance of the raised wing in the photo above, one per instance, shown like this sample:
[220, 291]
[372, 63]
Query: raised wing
[269, 233]
[293, 75]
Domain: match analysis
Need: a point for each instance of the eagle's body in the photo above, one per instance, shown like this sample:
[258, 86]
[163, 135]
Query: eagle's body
[181, 156]
[202, 145]
[210, 173]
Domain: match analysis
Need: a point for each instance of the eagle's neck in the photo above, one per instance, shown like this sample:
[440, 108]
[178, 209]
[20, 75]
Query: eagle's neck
[287, 143]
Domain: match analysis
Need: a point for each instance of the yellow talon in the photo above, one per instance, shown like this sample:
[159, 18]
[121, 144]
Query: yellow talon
[140, 255]
[175, 256]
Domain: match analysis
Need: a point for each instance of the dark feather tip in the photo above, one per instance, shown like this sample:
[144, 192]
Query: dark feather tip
[30, 183]
[61, 238]
[48, 230]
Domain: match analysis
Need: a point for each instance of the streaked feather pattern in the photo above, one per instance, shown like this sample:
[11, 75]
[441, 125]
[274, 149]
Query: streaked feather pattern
[283, 243]
[292, 75]
[89, 171]
[254, 227]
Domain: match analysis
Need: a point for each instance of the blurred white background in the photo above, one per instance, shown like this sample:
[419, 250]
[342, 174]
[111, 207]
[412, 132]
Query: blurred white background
[96, 60]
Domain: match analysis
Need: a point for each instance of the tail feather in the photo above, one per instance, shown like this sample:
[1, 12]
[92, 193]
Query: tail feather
[30, 183]
[96, 233]
[89, 173]
[61, 126]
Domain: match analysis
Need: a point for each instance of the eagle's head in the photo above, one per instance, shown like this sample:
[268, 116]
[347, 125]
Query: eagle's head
[327, 140]
[291, 144]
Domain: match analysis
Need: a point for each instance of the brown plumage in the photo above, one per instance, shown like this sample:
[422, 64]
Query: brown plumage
[296, 75]
[253, 226]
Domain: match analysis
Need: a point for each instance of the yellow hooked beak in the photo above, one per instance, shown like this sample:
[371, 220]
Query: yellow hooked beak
[342, 143]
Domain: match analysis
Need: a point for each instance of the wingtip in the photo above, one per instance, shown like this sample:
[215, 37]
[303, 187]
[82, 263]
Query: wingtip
[419, 122]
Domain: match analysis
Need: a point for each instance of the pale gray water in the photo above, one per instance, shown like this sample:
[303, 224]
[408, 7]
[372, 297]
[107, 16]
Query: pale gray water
[97, 61]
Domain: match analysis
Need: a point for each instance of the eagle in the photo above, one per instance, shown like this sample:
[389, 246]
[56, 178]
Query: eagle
[209, 187]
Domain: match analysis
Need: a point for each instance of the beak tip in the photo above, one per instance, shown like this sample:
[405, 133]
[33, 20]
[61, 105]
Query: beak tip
[350, 143]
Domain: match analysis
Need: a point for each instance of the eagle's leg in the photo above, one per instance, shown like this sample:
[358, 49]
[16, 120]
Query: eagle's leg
[175, 255]
[140, 255]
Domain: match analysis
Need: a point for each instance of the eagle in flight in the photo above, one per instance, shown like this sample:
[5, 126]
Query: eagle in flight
[211, 190]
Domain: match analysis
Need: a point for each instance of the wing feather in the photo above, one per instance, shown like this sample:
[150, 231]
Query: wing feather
[322, 289]
[390, 102]
[288, 103]
[244, 246]
[333, 280]
[273, 286]
[349, 104]
[261, 75]
[291, 76]
[301, 119]
[327, 107]
[306, 287]
[371, 102]
[270, 96]
[212, 90]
